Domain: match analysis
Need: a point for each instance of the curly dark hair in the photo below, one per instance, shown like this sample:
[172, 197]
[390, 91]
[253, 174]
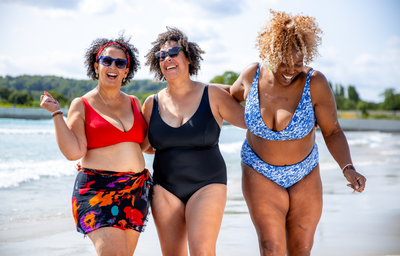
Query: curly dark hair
[192, 52]
[283, 31]
[90, 55]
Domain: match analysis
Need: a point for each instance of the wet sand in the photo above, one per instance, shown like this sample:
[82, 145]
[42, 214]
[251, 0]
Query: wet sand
[366, 224]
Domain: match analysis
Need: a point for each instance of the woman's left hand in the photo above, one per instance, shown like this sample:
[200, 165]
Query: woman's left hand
[357, 181]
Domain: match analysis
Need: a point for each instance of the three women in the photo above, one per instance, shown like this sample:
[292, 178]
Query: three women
[281, 179]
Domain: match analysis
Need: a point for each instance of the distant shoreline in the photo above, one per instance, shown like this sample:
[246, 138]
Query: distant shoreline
[347, 124]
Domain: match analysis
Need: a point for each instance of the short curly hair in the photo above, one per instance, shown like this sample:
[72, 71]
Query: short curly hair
[192, 52]
[281, 32]
[91, 52]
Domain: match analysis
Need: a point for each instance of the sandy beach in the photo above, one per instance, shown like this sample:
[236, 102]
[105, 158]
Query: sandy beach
[351, 224]
[36, 219]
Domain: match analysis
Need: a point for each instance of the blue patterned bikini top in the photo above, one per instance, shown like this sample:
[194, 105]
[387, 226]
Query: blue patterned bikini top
[300, 125]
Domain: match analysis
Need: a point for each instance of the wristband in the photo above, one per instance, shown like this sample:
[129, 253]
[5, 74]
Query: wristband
[56, 113]
[347, 165]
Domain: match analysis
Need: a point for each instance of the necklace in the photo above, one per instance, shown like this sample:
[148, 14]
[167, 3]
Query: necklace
[105, 103]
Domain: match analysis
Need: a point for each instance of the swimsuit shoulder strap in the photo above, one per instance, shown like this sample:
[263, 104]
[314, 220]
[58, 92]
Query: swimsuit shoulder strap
[155, 111]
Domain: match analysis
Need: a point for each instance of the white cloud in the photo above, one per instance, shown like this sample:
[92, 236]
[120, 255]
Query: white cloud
[54, 35]
[92, 7]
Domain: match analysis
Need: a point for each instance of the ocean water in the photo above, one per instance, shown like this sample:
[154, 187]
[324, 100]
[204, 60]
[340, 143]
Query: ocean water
[36, 180]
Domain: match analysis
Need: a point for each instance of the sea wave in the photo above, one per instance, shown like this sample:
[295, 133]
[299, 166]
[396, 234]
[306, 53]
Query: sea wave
[12, 174]
[6, 131]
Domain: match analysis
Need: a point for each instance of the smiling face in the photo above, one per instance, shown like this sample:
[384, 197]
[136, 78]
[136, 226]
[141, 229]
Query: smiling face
[285, 74]
[174, 68]
[111, 75]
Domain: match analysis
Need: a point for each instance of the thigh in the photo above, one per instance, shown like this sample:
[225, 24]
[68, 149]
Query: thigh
[204, 212]
[114, 241]
[268, 205]
[304, 212]
[169, 217]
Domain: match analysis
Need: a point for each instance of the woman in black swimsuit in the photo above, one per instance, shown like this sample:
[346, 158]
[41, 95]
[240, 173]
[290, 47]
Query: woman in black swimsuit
[184, 125]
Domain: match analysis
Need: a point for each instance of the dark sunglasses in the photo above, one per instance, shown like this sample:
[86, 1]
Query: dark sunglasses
[172, 52]
[107, 61]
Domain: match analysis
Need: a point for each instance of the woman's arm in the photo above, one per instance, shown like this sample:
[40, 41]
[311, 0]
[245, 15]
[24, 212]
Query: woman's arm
[326, 114]
[145, 143]
[146, 111]
[227, 107]
[242, 85]
[225, 87]
[71, 137]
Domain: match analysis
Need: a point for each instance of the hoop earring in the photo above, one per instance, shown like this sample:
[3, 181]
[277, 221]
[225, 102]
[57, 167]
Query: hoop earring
[269, 68]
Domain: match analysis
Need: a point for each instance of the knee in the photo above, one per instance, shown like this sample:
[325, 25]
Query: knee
[202, 251]
[270, 247]
[304, 251]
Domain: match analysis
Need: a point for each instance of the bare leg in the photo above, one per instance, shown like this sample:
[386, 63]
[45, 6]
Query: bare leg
[268, 205]
[110, 241]
[169, 217]
[304, 213]
[204, 212]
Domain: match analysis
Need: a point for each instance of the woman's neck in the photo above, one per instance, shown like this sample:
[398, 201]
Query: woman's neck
[181, 87]
[108, 92]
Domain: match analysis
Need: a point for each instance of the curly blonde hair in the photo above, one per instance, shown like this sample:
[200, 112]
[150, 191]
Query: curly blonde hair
[281, 32]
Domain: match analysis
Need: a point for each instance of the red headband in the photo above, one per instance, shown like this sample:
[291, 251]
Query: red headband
[112, 43]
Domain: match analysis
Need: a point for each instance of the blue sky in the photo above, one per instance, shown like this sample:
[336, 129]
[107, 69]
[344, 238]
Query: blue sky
[360, 44]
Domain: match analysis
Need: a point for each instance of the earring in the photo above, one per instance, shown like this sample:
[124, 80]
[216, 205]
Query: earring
[97, 75]
[269, 68]
[123, 80]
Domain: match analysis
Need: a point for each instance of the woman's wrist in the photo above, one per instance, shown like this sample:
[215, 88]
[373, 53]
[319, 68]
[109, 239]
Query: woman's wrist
[57, 112]
[348, 166]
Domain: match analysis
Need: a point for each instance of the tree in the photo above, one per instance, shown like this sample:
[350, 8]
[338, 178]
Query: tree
[392, 100]
[229, 77]
[20, 97]
[352, 93]
[5, 92]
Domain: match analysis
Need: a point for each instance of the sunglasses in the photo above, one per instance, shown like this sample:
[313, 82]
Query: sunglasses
[172, 52]
[107, 61]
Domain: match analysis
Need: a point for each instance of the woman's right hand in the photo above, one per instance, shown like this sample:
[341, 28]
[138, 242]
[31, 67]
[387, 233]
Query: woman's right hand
[48, 102]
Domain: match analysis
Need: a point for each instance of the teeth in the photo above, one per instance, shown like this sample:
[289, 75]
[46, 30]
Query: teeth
[112, 74]
[171, 67]
[287, 77]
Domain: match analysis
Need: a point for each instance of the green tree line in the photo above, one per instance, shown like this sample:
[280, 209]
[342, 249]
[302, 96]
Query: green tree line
[26, 90]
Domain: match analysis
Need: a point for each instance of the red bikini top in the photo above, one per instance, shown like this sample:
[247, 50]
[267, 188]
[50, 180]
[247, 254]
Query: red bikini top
[100, 133]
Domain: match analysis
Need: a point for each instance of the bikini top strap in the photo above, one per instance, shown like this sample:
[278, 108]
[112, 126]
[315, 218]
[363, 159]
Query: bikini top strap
[155, 110]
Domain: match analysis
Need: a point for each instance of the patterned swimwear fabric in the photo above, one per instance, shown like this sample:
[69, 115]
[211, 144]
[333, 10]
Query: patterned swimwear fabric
[284, 176]
[302, 122]
[111, 199]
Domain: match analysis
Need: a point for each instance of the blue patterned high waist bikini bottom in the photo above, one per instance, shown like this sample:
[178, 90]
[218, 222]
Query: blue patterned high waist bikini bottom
[284, 176]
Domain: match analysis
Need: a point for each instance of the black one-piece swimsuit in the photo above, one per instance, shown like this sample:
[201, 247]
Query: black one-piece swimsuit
[187, 158]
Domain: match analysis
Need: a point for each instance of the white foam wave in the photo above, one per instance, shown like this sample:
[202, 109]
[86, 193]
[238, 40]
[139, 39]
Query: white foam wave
[27, 131]
[231, 148]
[12, 174]
[352, 142]
[390, 153]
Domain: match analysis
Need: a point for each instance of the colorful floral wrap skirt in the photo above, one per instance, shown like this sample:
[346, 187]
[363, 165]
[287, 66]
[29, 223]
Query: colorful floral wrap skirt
[111, 199]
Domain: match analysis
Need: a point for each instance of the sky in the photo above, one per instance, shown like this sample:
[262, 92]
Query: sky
[360, 44]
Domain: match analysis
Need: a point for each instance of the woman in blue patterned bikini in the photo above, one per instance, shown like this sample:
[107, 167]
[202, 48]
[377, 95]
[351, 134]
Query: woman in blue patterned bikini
[284, 100]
